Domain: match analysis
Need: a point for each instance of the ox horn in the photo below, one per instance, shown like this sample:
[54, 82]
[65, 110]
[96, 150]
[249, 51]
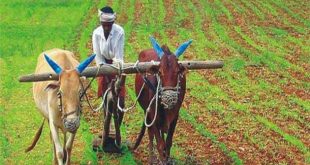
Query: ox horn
[85, 63]
[53, 64]
[182, 48]
[156, 47]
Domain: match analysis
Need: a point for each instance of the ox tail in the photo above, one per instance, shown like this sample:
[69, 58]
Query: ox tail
[36, 138]
[141, 134]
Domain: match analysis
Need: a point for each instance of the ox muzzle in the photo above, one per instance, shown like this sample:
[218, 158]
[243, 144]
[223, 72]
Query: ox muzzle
[169, 97]
[71, 124]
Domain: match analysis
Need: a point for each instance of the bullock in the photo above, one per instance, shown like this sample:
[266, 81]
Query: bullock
[60, 101]
[166, 85]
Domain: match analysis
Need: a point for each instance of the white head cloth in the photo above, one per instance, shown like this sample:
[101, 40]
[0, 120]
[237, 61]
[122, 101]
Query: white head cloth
[106, 17]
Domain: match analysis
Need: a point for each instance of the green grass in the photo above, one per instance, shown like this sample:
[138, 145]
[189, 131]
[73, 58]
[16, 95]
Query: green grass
[293, 140]
[239, 103]
[281, 4]
[26, 31]
[254, 9]
[202, 130]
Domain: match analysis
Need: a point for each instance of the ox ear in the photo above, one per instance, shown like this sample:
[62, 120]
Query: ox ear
[53, 85]
[85, 63]
[182, 48]
[53, 64]
[156, 47]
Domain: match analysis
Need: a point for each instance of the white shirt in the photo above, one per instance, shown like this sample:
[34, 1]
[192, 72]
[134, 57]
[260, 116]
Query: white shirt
[111, 48]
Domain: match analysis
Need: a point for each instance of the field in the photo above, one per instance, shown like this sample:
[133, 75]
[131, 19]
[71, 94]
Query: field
[255, 110]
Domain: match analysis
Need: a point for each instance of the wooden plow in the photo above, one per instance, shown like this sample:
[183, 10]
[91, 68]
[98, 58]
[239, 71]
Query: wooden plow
[127, 68]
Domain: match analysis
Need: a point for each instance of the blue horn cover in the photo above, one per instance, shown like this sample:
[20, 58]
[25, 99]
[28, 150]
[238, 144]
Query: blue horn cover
[53, 65]
[182, 48]
[156, 47]
[85, 63]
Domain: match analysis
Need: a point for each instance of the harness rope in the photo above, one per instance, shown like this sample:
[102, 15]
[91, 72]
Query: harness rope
[156, 104]
[60, 107]
[120, 69]
[131, 107]
[168, 95]
[85, 89]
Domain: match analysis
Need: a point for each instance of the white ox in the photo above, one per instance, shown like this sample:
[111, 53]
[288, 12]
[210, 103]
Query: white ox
[59, 101]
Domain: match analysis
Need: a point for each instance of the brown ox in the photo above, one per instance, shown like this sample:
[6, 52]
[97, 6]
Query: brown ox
[59, 101]
[169, 82]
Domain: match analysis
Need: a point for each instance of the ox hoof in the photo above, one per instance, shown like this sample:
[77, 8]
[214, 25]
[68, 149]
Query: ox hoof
[130, 145]
[111, 147]
[171, 161]
[97, 144]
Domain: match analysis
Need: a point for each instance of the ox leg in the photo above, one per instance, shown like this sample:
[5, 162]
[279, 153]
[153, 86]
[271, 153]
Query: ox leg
[58, 148]
[117, 129]
[54, 151]
[160, 143]
[69, 145]
[120, 117]
[121, 114]
[106, 127]
[170, 136]
[141, 134]
[152, 157]
[64, 147]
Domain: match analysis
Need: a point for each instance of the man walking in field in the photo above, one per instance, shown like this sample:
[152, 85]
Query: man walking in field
[108, 45]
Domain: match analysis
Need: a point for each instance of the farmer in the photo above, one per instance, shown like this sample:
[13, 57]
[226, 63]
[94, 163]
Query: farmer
[108, 45]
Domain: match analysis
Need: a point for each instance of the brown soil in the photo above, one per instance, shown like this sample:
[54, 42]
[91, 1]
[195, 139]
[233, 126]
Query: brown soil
[192, 144]
[290, 89]
[122, 18]
[139, 8]
[289, 17]
[201, 148]
[170, 12]
[248, 151]
[236, 140]
[211, 78]
[246, 30]
[92, 12]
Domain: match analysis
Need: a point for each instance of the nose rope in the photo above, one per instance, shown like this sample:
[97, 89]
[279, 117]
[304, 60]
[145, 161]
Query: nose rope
[156, 104]
[170, 95]
[169, 98]
[72, 125]
[135, 103]
[64, 115]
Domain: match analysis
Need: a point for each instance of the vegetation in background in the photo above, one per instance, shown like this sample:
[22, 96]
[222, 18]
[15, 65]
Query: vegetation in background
[254, 110]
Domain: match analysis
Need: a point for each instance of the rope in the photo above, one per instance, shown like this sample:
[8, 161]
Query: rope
[85, 89]
[120, 70]
[156, 104]
[134, 105]
[103, 100]
[136, 66]
[169, 95]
